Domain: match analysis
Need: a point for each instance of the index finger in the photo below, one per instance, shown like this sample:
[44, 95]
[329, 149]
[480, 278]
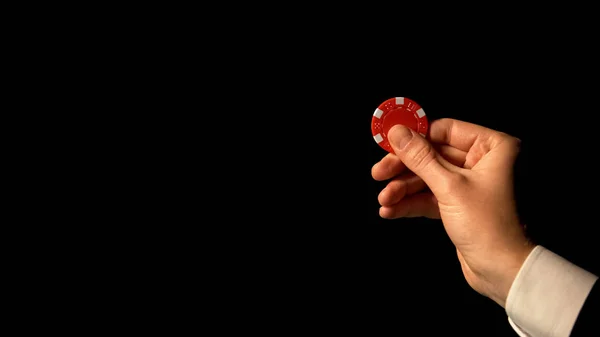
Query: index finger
[459, 134]
[388, 167]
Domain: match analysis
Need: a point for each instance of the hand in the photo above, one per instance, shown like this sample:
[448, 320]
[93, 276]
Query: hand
[464, 175]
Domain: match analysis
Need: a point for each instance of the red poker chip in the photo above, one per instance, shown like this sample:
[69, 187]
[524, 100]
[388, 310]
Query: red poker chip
[397, 110]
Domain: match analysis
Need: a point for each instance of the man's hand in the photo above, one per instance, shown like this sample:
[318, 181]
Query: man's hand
[464, 175]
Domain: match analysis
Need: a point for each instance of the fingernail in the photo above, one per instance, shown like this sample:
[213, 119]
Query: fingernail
[399, 136]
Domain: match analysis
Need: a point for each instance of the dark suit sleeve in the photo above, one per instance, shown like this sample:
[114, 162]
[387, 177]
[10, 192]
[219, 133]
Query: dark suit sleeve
[588, 320]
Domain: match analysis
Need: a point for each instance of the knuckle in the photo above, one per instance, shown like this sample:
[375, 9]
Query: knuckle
[423, 156]
[511, 142]
[515, 143]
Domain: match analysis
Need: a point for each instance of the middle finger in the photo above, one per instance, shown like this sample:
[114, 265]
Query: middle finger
[406, 184]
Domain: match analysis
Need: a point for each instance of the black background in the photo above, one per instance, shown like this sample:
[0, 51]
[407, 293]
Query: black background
[272, 126]
[337, 262]
[305, 247]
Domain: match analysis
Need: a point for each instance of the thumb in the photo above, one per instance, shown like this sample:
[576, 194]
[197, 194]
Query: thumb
[418, 155]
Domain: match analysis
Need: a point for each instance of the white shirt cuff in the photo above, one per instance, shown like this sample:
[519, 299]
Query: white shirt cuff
[547, 295]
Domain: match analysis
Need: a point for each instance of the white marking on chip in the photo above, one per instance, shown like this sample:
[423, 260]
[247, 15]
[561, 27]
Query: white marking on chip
[420, 112]
[422, 134]
[378, 112]
[378, 138]
[400, 100]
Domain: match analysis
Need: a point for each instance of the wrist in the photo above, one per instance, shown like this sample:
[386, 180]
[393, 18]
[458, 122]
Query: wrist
[503, 277]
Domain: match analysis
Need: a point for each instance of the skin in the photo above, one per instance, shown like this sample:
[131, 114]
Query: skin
[462, 174]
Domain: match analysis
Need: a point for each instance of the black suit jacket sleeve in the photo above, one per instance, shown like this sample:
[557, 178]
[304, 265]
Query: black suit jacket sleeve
[588, 320]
